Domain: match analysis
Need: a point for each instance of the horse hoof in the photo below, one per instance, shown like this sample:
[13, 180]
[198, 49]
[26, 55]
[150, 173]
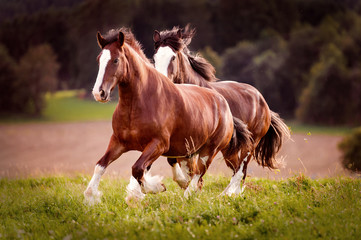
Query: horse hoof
[164, 188]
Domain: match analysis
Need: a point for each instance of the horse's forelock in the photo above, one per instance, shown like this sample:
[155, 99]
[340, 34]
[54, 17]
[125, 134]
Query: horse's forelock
[129, 38]
[177, 38]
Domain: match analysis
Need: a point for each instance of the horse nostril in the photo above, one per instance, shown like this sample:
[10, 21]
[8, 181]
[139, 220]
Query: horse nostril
[102, 94]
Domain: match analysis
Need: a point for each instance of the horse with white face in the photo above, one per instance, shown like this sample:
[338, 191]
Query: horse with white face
[174, 60]
[157, 117]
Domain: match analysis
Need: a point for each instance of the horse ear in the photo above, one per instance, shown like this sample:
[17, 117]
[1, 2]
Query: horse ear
[101, 41]
[121, 38]
[156, 36]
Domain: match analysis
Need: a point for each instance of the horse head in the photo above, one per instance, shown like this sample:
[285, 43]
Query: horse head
[173, 58]
[111, 66]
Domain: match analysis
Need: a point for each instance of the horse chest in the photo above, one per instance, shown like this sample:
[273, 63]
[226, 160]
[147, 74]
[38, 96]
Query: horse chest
[134, 132]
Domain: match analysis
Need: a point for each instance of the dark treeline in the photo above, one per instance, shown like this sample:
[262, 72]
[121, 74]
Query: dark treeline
[303, 55]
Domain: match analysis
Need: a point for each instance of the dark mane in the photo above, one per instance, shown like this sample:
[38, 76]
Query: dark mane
[169, 38]
[202, 67]
[112, 36]
[178, 39]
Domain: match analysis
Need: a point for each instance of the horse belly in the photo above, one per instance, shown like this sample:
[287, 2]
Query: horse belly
[185, 143]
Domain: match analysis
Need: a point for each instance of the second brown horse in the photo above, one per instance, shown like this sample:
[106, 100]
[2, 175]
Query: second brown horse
[173, 59]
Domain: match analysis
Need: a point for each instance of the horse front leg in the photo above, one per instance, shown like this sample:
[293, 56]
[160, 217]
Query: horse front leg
[114, 150]
[141, 181]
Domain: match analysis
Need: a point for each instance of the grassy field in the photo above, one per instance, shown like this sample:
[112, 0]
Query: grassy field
[296, 208]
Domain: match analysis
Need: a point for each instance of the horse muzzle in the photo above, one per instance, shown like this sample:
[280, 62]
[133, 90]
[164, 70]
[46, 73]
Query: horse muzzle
[101, 96]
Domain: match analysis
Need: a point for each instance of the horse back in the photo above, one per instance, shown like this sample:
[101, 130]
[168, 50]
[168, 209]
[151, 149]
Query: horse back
[247, 104]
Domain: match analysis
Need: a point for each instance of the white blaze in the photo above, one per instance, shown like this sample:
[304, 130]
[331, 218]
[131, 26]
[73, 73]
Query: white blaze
[103, 62]
[162, 59]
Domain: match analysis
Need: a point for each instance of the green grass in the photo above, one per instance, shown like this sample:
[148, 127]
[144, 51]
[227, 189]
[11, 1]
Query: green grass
[296, 208]
[297, 127]
[66, 106]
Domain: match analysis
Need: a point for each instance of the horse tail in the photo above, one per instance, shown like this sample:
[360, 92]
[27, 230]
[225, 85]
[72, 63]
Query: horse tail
[241, 138]
[271, 143]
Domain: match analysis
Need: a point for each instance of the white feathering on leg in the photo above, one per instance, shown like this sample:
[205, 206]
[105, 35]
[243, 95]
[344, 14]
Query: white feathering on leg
[193, 186]
[180, 175]
[153, 184]
[234, 187]
[134, 190]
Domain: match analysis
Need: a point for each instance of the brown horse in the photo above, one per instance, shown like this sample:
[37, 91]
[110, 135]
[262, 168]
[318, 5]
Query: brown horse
[157, 117]
[173, 59]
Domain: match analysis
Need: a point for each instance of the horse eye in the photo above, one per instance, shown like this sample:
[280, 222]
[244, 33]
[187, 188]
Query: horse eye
[173, 58]
[116, 60]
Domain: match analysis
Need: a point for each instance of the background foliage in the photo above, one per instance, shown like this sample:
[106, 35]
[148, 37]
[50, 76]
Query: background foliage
[351, 148]
[304, 56]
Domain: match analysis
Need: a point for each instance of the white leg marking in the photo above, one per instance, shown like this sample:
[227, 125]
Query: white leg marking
[234, 187]
[180, 174]
[103, 62]
[91, 194]
[204, 160]
[152, 184]
[134, 190]
[162, 59]
[193, 186]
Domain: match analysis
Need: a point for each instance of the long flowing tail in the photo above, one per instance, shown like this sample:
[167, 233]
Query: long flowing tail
[271, 143]
[241, 138]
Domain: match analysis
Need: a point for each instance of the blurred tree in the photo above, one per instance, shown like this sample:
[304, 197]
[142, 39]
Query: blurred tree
[258, 64]
[52, 27]
[11, 9]
[213, 58]
[326, 99]
[236, 62]
[7, 78]
[86, 19]
[36, 75]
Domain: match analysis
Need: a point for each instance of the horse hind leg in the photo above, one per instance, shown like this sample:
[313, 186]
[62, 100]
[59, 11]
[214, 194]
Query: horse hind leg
[234, 187]
[92, 194]
[199, 167]
[180, 170]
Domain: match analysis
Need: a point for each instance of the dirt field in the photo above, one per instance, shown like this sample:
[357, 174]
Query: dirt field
[72, 148]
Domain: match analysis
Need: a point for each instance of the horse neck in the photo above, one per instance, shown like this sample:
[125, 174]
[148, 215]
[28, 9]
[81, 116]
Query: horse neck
[138, 74]
[186, 74]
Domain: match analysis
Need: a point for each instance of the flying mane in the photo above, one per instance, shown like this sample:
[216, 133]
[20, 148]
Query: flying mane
[178, 39]
[112, 36]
